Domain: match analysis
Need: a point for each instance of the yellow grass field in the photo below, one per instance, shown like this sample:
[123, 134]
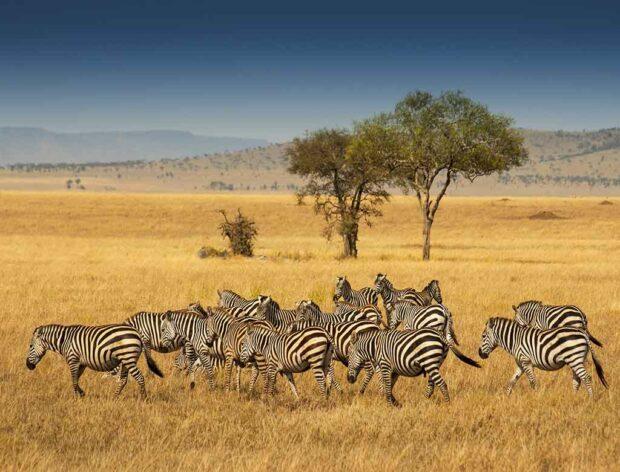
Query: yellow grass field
[98, 258]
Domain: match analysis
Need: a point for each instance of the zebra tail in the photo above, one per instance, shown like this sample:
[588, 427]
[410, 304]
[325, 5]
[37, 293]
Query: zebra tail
[151, 363]
[593, 339]
[599, 369]
[451, 330]
[462, 357]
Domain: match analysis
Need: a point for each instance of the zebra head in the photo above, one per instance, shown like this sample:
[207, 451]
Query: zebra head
[247, 349]
[489, 339]
[307, 310]
[341, 283]
[433, 289]
[525, 311]
[381, 281]
[212, 334]
[197, 308]
[265, 307]
[358, 353]
[168, 331]
[36, 351]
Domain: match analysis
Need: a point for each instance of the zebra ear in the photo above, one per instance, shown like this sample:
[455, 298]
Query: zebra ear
[514, 308]
[167, 316]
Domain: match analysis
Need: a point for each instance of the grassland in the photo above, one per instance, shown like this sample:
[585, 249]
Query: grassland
[88, 258]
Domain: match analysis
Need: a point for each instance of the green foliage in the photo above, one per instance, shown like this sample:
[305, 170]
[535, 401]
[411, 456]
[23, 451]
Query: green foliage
[240, 232]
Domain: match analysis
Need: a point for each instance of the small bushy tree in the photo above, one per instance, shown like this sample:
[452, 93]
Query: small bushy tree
[240, 232]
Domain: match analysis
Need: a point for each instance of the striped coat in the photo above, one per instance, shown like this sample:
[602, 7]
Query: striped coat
[403, 353]
[362, 297]
[100, 348]
[413, 316]
[549, 349]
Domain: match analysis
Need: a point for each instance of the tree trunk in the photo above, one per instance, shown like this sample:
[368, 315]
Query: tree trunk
[350, 244]
[426, 234]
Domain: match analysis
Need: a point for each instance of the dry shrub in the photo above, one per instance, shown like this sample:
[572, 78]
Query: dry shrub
[606, 202]
[240, 232]
[208, 251]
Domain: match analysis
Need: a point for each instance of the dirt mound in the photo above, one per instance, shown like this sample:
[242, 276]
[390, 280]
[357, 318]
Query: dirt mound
[545, 215]
[606, 202]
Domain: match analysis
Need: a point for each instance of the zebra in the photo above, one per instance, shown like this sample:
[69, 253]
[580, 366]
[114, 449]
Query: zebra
[549, 349]
[340, 336]
[406, 353]
[232, 332]
[100, 348]
[193, 330]
[533, 313]
[307, 310]
[268, 309]
[416, 317]
[362, 297]
[289, 353]
[239, 306]
[423, 298]
[386, 290]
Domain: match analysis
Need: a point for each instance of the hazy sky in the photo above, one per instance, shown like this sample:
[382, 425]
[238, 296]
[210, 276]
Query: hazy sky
[274, 70]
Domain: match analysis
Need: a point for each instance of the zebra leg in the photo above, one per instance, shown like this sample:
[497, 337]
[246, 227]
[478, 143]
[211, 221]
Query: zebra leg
[576, 382]
[430, 388]
[228, 372]
[291, 383]
[137, 375]
[387, 378]
[369, 371]
[580, 371]
[112, 373]
[180, 362]
[254, 377]
[238, 386]
[207, 363]
[513, 380]
[270, 385]
[331, 379]
[122, 380]
[440, 382]
[319, 375]
[529, 372]
[76, 370]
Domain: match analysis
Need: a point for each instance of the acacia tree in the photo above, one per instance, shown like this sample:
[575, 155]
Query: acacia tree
[443, 138]
[344, 176]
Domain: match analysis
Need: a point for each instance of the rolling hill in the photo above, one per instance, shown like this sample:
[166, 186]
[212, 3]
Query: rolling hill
[561, 163]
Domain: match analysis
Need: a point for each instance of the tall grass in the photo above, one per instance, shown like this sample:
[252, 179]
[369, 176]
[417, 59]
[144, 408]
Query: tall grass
[99, 258]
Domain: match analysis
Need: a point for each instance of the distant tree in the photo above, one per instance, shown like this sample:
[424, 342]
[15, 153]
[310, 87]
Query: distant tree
[344, 177]
[240, 232]
[78, 181]
[445, 137]
[69, 183]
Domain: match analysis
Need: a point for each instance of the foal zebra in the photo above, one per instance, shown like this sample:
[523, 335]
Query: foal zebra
[289, 353]
[101, 348]
[406, 353]
[549, 349]
[535, 314]
[417, 317]
[364, 296]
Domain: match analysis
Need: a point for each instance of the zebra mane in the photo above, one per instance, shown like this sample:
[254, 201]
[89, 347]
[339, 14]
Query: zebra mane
[530, 302]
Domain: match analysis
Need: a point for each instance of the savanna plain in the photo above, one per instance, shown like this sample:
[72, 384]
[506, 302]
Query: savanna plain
[96, 259]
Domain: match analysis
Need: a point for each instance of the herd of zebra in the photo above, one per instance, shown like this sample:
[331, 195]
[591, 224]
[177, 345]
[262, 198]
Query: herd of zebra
[257, 334]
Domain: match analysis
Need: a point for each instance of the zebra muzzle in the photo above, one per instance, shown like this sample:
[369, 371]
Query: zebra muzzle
[482, 354]
[30, 365]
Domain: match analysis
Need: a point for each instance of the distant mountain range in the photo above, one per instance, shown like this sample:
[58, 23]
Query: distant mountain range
[561, 163]
[38, 145]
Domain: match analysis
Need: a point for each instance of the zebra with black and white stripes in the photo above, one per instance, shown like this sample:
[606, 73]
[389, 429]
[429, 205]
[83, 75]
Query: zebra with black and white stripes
[238, 305]
[269, 310]
[536, 315]
[364, 296]
[307, 310]
[100, 348]
[403, 353]
[428, 295]
[549, 349]
[340, 335]
[192, 329]
[412, 316]
[388, 293]
[289, 353]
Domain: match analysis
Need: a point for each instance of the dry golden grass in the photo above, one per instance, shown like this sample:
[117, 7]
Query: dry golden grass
[98, 258]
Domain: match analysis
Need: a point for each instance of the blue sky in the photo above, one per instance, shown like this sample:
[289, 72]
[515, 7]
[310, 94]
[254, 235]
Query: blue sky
[274, 69]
